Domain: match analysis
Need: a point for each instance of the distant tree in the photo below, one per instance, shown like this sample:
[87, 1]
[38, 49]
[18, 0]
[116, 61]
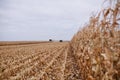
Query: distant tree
[50, 39]
[60, 40]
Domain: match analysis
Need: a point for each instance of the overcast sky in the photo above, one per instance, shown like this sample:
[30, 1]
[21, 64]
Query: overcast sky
[44, 19]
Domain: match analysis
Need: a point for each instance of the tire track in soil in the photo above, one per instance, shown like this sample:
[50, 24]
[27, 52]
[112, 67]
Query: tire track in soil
[71, 69]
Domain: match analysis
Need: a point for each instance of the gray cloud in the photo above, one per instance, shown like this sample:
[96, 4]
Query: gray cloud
[44, 19]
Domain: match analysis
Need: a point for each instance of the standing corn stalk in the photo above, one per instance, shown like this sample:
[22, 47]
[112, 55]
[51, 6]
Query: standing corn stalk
[97, 45]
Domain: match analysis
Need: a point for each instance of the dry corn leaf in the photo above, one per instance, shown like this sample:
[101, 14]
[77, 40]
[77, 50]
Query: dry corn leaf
[104, 56]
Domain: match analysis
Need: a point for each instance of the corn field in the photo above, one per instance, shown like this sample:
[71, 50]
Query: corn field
[43, 61]
[97, 46]
[92, 54]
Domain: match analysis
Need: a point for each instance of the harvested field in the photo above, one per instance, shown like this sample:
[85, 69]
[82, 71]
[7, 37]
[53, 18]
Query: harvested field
[43, 61]
[7, 43]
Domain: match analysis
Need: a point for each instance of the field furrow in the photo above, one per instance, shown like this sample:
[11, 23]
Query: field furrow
[22, 54]
[71, 69]
[27, 58]
[18, 68]
[32, 62]
[39, 68]
[64, 64]
[55, 71]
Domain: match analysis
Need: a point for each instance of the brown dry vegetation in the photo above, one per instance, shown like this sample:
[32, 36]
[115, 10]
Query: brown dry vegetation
[7, 43]
[92, 54]
[97, 46]
[43, 61]
[33, 61]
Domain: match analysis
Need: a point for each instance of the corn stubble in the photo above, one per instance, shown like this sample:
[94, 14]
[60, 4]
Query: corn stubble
[97, 46]
[33, 61]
